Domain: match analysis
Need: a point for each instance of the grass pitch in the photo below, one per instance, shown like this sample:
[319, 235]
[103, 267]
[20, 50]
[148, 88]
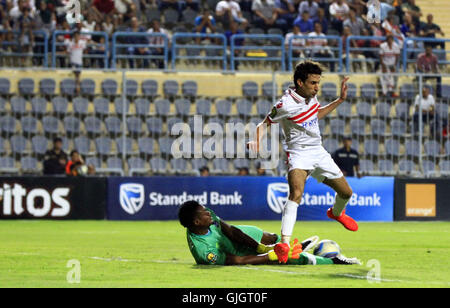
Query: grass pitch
[155, 254]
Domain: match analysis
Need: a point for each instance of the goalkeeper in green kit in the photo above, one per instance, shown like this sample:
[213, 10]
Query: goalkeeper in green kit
[214, 242]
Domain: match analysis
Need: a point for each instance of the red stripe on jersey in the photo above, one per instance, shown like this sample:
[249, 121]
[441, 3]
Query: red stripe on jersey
[304, 113]
[294, 96]
[308, 116]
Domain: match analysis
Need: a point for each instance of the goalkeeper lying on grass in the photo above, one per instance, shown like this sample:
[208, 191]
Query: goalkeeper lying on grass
[212, 241]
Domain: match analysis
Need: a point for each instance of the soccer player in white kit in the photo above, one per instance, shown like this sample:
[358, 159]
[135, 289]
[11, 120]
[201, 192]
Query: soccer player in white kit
[298, 112]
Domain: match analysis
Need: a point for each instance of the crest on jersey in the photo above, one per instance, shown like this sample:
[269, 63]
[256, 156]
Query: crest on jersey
[277, 194]
[131, 196]
[273, 113]
[212, 258]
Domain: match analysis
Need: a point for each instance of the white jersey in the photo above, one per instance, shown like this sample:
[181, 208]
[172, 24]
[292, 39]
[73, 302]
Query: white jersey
[389, 54]
[298, 120]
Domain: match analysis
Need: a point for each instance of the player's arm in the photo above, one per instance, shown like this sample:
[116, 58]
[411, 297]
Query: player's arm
[261, 129]
[325, 110]
[237, 236]
[252, 260]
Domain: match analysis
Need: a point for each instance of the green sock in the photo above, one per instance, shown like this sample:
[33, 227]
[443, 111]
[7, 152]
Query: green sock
[309, 259]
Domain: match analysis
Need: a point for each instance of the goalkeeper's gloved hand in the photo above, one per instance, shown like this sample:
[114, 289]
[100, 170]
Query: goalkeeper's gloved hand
[264, 248]
[294, 251]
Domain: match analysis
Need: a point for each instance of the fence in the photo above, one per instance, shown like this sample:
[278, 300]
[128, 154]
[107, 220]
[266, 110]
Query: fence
[157, 48]
[121, 122]
[12, 46]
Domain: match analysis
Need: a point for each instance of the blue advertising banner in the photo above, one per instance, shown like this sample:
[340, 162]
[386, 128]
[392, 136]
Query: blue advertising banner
[243, 198]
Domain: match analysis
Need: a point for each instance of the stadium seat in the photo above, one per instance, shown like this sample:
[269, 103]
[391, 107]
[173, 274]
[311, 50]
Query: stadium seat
[366, 166]
[82, 145]
[223, 108]
[441, 110]
[26, 86]
[5, 86]
[383, 110]
[368, 91]
[189, 88]
[241, 163]
[2, 146]
[170, 18]
[171, 122]
[137, 165]
[154, 126]
[114, 163]
[398, 128]
[8, 165]
[158, 165]
[344, 110]
[162, 107]
[182, 107]
[447, 147]
[329, 91]
[80, 106]
[29, 125]
[47, 86]
[402, 110]
[2, 106]
[87, 87]
[198, 163]
[101, 106]
[286, 85]
[18, 105]
[351, 91]
[263, 108]
[113, 126]
[109, 87]
[244, 108]
[142, 106]
[371, 147]
[392, 147]
[407, 91]
[8, 125]
[134, 125]
[217, 120]
[432, 148]
[39, 145]
[179, 166]
[29, 165]
[93, 125]
[103, 146]
[146, 146]
[94, 161]
[250, 89]
[268, 90]
[337, 127]
[67, 87]
[188, 17]
[203, 107]
[119, 105]
[444, 166]
[149, 88]
[131, 88]
[38, 106]
[220, 166]
[331, 145]
[364, 110]
[378, 127]
[128, 145]
[18, 144]
[165, 146]
[412, 148]
[50, 125]
[60, 106]
[386, 167]
[429, 168]
[170, 88]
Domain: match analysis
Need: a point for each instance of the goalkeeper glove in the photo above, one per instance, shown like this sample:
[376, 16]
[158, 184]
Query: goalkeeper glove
[261, 249]
[295, 250]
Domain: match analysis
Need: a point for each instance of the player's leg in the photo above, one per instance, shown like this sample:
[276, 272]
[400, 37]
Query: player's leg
[296, 180]
[343, 195]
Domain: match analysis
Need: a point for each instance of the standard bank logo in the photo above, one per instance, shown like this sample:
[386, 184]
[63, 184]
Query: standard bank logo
[131, 197]
[277, 194]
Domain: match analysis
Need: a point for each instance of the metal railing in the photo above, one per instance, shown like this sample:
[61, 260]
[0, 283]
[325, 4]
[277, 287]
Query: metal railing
[39, 48]
[415, 51]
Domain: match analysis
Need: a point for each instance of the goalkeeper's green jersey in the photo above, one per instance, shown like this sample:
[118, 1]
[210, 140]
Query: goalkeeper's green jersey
[213, 247]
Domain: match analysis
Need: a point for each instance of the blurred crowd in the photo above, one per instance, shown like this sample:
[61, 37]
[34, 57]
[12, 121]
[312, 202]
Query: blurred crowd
[399, 18]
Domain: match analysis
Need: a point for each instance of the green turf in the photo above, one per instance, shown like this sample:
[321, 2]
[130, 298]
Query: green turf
[155, 254]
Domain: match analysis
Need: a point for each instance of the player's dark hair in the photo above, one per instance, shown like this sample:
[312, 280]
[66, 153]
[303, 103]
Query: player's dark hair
[304, 69]
[187, 213]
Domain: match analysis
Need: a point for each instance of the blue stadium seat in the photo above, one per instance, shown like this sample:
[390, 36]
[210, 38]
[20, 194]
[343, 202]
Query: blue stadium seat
[5, 87]
[366, 166]
[407, 91]
[444, 166]
[392, 147]
[402, 110]
[189, 88]
[82, 145]
[368, 91]
[432, 148]
[119, 105]
[154, 126]
[101, 106]
[39, 145]
[80, 106]
[18, 145]
[162, 107]
[137, 165]
[411, 148]
[93, 125]
[171, 122]
[383, 110]
[371, 147]
[87, 87]
[250, 89]
[331, 145]
[29, 164]
[50, 125]
[114, 163]
[344, 110]
[364, 109]
[165, 146]
[60, 106]
[128, 145]
[203, 107]
[170, 88]
[131, 88]
[337, 127]
[18, 105]
[67, 87]
[134, 125]
[244, 108]
[47, 86]
[8, 125]
[182, 107]
[142, 106]
[158, 165]
[38, 106]
[268, 90]
[223, 108]
[26, 86]
[103, 146]
[29, 125]
[386, 167]
[429, 168]
[109, 87]
[329, 90]
[94, 161]
[113, 125]
[146, 146]
[149, 88]
[263, 108]
[398, 128]
[378, 127]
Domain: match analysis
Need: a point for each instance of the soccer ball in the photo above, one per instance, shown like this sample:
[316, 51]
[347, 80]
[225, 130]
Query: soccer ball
[327, 249]
[82, 170]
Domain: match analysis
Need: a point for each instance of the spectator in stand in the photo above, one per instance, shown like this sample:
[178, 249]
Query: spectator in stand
[100, 8]
[243, 171]
[286, 10]
[356, 24]
[409, 6]
[204, 171]
[357, 5]
[108, 25]
[204, 23]
[389, 56]
[430, 29]
[304, 23]
[168, 4]
[427, 104]
[385, 9]
[76, 166]
[259, 170]
[322, 20]
[265, 14]
[319, 46]
[55, 159]
[157, 40]
[76, 48]
[354, 54]
[347, 159]
[338, 13]
[234, 29]
[309, 6]
[98, 48]
[228, 12]
[298, 44]
[89, 23]
[427, 63]
[137, 40]
[390, 28]
[26, 36]
[192, 4]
